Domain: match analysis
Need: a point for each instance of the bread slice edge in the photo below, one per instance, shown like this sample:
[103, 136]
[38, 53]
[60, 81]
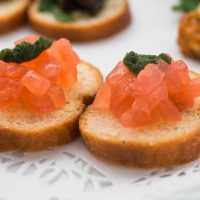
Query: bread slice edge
[59, 128]
[123, 146]
[81, 32]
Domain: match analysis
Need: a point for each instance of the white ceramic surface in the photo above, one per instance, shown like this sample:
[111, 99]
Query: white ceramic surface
[70, 172]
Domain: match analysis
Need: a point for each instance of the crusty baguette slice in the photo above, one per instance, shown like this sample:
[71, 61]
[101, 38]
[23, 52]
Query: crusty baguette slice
[188, 37]
[20, 129]
[12, 14]
[153, 146]
[114, 16]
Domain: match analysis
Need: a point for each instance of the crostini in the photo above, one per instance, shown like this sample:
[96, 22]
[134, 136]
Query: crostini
[146, 114]
[12, 14]
[79, 20]
[44, 88]
[189, 34]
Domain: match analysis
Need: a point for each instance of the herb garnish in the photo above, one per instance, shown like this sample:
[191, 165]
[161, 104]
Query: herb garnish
[137, 62]
[63, 9]
[47, 5]
[165, 57]
[25, 51]
[186, 5]
[61, 15]
[52, 6]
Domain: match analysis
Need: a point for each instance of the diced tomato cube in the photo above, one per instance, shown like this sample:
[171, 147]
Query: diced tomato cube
[39, 104]
[3, 69]
[35, 83]
[63, 53]
[57, 95]
[15, 72]
[10, 91]
[147, 80]
[103, 97]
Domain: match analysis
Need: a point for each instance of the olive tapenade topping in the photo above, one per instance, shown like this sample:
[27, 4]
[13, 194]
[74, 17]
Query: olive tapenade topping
[91, 6]
[62, 8]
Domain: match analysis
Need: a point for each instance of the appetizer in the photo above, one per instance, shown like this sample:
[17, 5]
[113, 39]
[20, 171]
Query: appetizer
[189, 34]
[12, 14]
[186, 5]
[44, 88]
[79, 20]
[146, 114]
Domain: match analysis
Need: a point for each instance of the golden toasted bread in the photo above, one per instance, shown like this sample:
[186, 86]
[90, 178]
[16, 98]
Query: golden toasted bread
[112, 18]
[189, 34]
[146, 147]
[27, 131]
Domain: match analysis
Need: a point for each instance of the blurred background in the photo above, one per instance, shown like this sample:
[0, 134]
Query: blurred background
[153, 29]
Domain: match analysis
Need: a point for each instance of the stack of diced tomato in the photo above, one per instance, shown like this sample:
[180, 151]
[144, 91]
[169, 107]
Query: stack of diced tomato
[39, 83]
[156, 95]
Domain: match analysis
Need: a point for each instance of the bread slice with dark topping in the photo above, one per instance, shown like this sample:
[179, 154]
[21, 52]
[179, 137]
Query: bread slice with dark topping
[112, 18]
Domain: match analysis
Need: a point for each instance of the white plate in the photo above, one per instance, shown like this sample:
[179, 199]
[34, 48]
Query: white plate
[71, 172]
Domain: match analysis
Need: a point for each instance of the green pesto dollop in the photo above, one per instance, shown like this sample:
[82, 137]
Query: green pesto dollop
[137, 62]
[25, 51]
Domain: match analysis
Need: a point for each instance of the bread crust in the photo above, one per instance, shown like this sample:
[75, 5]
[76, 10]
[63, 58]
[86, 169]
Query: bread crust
[79, 32]
[189, 33]
[89, 98]
[35, 140]
[52, 135]
[14, 19]
[139, 154]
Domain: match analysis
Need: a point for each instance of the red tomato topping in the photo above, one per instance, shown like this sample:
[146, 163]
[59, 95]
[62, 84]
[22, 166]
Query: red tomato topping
[51, 71]
[103, 97]
[30, 39]
[16, 72]
[3, 69]
[10, 91]
[156, 95]
[35, 83]
[57, 95]
[62, 52]
[39, 104]
[40, 82]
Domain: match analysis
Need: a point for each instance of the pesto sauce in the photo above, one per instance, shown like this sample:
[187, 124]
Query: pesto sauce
[25, 51]
[137, 62]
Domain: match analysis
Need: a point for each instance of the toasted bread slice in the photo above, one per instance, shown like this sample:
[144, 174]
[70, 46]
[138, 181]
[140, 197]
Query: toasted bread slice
[21, 129]
[152, 146]
[12, 14]
[189, 32]
[112, 18]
